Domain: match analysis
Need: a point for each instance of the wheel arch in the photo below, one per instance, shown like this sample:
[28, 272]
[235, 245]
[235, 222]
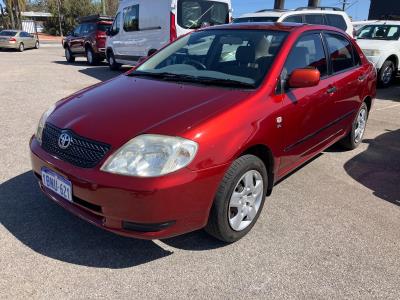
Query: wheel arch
[393, 58]
[264, 153]
[368, 101]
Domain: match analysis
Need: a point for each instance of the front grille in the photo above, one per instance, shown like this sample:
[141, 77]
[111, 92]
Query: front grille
[81, 152]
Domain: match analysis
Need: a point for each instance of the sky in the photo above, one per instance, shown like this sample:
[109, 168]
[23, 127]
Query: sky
[358, 11]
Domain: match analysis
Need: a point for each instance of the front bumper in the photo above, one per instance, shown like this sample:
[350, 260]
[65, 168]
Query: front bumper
[148, 208]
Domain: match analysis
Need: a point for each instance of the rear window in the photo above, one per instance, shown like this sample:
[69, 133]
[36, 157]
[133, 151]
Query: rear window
[315, 19]
[336, 21]
[103, 27]
[8, 33]
[131, 18]
[340, 52]
[255, 19]
[193, 14]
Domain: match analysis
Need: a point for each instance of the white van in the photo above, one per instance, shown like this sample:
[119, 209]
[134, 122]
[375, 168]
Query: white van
[144, 26]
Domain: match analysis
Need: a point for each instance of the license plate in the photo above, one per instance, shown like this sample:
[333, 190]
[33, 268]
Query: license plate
[57, 183]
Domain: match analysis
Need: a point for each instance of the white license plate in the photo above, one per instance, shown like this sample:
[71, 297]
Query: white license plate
[57, 183]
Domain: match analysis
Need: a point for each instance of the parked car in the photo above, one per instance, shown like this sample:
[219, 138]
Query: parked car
[18, 40]
[380, 42]
[142, 27]
[194, 137]
[359, 24]
[318, 15]
[88, 39]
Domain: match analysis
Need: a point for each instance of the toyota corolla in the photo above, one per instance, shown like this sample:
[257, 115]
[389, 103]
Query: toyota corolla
[197, 135]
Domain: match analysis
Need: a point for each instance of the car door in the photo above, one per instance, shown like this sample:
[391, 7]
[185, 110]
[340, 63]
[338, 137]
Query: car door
[304, 109]
[25, 37]
[133, 43]
[114, 36]
[76, 36]
[348, 75]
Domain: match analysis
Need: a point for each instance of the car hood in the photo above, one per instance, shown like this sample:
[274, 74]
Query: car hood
[118, 110]
[376, 44]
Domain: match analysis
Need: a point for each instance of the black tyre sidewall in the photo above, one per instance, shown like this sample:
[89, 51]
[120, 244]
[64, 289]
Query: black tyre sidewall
[352, 141]
[113, 66]
[221, 202]
[71, 57]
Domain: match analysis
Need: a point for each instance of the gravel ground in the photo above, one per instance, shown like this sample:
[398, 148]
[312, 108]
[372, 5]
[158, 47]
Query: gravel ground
[331, 230]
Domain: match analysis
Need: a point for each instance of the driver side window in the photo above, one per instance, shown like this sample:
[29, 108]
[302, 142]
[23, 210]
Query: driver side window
[77, 31]
[117, 24]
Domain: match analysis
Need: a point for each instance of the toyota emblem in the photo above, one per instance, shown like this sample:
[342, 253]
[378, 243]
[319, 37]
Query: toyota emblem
[64, 141]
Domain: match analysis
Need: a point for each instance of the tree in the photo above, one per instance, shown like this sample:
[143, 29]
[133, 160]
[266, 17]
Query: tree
[14, 8]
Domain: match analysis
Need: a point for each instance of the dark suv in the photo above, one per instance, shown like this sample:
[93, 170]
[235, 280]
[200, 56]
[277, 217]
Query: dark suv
[88, 39]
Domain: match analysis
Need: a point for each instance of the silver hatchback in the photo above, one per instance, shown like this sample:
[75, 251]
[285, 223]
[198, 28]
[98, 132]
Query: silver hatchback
[17, 39]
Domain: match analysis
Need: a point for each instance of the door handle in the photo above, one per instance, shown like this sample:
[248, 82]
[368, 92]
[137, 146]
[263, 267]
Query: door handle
[362, 77]
[331, 90]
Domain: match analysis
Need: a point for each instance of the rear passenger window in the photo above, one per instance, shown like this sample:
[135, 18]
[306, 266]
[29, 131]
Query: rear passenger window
[307, 53]
[340, 52]
[336, 21]
[315, 19]
[131, 18]
[294, 19]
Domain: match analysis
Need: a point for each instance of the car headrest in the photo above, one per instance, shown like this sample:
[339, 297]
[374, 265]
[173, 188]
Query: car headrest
[262, 48]
[245, 54]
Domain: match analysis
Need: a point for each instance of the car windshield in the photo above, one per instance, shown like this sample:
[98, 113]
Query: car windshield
[8, 33]
[379, 32]
[193, 14]
[255, 19]
[236, 58]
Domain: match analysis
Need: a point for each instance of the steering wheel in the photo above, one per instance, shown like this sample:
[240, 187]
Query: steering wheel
[195, 63]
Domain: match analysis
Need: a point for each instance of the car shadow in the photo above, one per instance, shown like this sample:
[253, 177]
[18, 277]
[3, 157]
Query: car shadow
[378, 167]
[50, 230]
[100, 72]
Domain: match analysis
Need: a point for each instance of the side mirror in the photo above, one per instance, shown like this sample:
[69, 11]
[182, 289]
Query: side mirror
[301, 78]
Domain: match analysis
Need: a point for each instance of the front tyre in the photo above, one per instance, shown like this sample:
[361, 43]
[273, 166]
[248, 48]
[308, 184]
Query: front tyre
[386, 74]
[355, 136]
[112, 63]
[37, 45]
[21, 47]
[239, 199]
[69, 56]
[91, 57]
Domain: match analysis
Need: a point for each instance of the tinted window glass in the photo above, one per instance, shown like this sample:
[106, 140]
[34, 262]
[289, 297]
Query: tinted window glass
[77, 31]
[131, 18]
[194, 13]
[205, 57]
[294, 19]
[340, 52]
[8, 33]
[336, 21]
[315, 19]
[255, 19]
[307, 53]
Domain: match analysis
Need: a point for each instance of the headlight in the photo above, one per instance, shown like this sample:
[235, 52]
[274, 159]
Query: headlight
[42, 122]
[151, 155]
[369, 52]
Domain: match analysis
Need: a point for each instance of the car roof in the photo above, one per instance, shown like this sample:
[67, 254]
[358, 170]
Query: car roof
[282, 26]
[383, 23]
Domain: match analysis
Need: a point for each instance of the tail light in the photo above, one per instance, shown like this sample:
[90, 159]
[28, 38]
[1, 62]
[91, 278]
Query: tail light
[173, 35]
[12, 40]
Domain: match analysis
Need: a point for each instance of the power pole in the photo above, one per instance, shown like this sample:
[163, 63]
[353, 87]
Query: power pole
[344, 4]
[313, 3]
[279, 4]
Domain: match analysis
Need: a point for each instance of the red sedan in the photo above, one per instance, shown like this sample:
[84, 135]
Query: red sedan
[199, 133]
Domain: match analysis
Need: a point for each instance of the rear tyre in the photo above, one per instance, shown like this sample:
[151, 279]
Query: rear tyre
[239, 199]
[69, 56]
[386, 74]
[21, 47]
[91, 57]
[37, 45]
[355, 136]
[112, 63]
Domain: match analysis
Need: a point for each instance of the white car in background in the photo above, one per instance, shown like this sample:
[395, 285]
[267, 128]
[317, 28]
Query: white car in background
[331, 16]
[380, 42]
[142, 27]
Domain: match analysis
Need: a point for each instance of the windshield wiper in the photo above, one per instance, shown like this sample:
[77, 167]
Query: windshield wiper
[194, 79]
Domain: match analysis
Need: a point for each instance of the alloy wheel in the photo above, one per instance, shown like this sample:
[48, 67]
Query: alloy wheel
[360, 127]
[387, 74]
[245, 200]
